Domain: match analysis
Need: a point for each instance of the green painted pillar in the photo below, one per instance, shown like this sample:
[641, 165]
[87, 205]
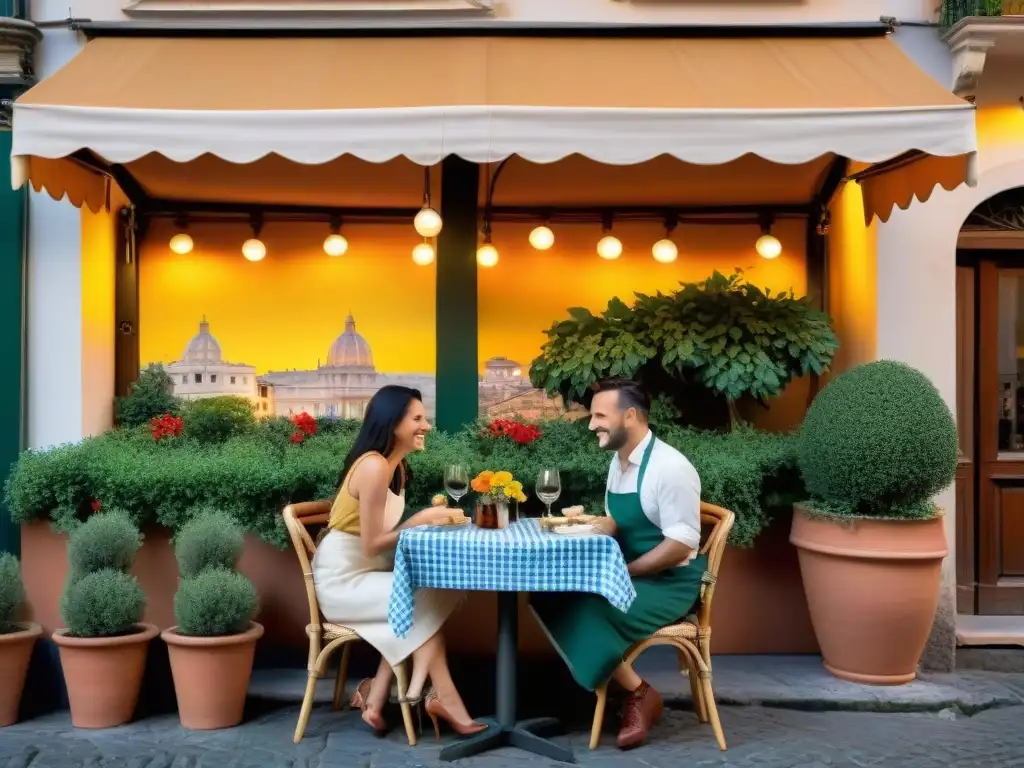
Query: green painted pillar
[457, 369]
[12, 328]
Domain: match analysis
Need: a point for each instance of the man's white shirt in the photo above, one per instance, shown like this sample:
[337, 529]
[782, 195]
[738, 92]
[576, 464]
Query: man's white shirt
[670, 495]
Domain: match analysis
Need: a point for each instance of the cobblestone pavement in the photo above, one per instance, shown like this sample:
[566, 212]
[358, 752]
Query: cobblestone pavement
[759, 737]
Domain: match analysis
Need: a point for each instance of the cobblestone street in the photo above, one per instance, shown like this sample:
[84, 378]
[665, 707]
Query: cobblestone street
[758, 736]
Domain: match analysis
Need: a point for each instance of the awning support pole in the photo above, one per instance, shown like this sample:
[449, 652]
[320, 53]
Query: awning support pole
[456, 297]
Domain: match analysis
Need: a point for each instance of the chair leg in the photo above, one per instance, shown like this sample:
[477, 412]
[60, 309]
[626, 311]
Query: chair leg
[595, 728]
[307, 706]
[697, 694]
[339, 684]
[403, 685]
[709, 699]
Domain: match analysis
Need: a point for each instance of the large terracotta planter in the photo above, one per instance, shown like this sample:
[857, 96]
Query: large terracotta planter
[104, 675]
[15, 654]
[211, 676]
[872, 588]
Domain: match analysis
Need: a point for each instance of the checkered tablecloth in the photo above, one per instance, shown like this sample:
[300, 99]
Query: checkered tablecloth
[520, 558]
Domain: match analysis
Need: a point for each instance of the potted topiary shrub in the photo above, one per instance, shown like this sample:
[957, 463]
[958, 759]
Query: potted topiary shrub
[877, 444]
[17, 639]
[213, 645]
[104, 647]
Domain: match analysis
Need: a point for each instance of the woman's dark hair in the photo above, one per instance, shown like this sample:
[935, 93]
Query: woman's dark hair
[385, 412]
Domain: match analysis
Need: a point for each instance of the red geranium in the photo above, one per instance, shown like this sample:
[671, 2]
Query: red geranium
[305, 423]
[165, 426]
[520, 433]
[297, 437]
[95, 505]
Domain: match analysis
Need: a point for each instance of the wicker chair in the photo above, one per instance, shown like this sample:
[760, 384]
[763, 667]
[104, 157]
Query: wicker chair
[692, 637]
[326, 638]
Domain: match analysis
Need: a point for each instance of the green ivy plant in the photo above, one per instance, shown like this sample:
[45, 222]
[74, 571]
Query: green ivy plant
[722, 337]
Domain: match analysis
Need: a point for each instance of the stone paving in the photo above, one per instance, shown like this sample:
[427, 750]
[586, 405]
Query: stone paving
[759, 737]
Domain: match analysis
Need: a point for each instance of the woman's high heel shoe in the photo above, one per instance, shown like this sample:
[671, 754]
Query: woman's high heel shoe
[374, 719]
[435, 711]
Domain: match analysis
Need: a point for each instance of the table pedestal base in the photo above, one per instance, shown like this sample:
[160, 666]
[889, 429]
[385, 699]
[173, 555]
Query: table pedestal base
[527, 735]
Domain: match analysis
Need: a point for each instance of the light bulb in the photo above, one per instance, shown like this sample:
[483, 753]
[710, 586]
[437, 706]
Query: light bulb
[542, 238]
[768, 247]
[609, 247]
[487, 255]
[427, 222]
[181, 243]
[423, 254]
[664, 251]
[335, 245]
[253, 249]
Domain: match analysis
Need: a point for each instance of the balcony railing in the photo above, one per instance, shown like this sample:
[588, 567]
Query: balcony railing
[955, 10]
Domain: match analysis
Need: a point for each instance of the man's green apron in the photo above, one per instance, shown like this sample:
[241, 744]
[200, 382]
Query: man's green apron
[589, 632]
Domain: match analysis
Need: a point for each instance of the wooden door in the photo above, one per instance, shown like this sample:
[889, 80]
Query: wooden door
[997, 455]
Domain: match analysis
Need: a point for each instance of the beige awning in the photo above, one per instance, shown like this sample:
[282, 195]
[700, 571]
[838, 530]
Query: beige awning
[789, 101]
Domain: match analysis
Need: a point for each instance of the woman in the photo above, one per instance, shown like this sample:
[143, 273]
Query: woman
[352, 568]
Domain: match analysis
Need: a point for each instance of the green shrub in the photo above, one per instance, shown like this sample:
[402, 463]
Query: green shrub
[214, 603]
[212, 539]
[215, 419]
[108, 540]
[12, 593]
[150, 396]
[252, 476]
[105, 603]
[878, 440]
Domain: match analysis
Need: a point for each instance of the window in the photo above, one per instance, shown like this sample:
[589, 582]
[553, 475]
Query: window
[232, 379]
[263, 391]
[213, 378]
[199, 378]
[184, 379]
[245, 379]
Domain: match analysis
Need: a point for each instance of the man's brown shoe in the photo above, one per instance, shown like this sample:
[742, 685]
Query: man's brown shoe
[643, 709]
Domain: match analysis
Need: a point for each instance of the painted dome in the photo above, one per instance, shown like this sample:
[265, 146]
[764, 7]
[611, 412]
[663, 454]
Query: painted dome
[203, 348]
[350, 350]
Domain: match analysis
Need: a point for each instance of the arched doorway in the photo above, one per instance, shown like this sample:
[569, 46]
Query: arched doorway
[990, 385]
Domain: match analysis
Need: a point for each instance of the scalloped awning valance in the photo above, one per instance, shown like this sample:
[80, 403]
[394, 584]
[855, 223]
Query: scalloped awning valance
[703, 101]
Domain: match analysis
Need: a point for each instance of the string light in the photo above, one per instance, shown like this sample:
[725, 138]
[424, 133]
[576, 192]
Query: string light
[181, 243]
[427, 222]
[335, 244]
[487, 255]
[253, 249]
[767, 245]
[423, 254]
[608, 247]
[542, 238]
[664, 251]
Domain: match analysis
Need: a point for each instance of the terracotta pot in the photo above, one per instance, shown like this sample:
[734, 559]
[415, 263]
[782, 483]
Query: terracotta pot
[872, 588]
[211, 676]
[104, 675]
[15, 655]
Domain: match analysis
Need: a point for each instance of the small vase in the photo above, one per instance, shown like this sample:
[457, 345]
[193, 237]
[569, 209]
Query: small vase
[486, 516]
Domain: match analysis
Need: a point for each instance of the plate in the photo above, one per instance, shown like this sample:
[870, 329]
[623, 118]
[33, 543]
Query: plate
[581, 529]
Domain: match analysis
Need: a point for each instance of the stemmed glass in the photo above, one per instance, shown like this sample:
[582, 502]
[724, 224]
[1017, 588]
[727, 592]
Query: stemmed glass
[456, 481]
[549, 487]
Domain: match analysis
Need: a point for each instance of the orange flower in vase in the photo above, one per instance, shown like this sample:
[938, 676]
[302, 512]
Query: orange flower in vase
[497, 490]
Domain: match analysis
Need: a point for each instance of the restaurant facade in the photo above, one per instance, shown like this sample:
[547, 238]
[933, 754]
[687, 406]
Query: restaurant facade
[831, 127]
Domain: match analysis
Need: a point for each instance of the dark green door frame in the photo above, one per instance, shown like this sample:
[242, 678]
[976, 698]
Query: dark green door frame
[12, 325]
[457, 365]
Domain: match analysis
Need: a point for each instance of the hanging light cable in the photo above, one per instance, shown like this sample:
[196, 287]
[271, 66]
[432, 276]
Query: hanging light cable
[428, 222]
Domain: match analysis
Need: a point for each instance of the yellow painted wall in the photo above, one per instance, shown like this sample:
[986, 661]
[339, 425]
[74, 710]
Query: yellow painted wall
[285, 311]
[98, 264]
[852, 280]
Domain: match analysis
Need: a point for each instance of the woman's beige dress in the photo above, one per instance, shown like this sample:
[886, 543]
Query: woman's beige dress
[354, 589]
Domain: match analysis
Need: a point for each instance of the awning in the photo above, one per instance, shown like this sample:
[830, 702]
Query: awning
[614, 101]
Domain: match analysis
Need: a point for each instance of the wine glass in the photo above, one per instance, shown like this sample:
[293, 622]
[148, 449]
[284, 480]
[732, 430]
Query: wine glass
[456, 481]
[549, 487]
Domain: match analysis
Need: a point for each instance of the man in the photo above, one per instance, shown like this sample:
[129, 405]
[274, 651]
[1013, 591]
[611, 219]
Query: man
[652, 507]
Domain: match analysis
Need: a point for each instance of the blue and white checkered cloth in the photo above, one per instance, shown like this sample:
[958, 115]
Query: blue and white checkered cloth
[520, 558]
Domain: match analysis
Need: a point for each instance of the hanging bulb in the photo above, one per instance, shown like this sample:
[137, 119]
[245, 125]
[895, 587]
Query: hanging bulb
[428, 222]
[664, 251]
[542, 238]
[609, 247]
[768, 246]
[335, 245]
[423, 254]
[487, 255]
[181, 243]
[253, 249]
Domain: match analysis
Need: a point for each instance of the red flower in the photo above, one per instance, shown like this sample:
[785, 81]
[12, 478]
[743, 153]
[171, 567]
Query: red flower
[95, 505]
[522, 434]
[165, 426]
[305, 423]
[297, 437]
